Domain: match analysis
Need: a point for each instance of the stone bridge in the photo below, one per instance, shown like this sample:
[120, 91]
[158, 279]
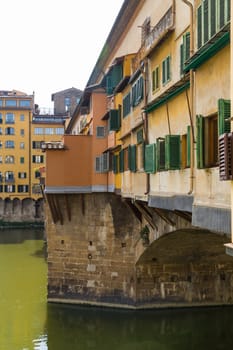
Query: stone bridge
[108, 251]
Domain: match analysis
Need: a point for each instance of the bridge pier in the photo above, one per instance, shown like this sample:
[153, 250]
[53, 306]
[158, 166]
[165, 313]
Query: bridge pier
[96, 255]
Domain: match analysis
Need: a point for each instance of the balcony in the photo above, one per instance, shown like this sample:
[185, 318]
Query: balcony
[158, 32]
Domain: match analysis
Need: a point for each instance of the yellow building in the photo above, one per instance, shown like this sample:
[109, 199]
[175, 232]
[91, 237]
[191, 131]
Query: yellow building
[22, 131]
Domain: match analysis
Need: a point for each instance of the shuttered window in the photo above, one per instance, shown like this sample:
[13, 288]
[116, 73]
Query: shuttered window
[115, 163]
[160, 154]
[166, 70]
[126, 105]
[114, 120]
[207, 141]
[225, 156]
[150, 158]
[172, 152]
[224, 113]
[121, 156]
[137, 91]
[155, 79]
[212, 16]
[132, 158]
[184, 51]
[113, 78]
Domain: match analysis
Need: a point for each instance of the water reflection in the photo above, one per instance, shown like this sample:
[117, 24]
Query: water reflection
[87, 328]
[27, 322]
[22, 290]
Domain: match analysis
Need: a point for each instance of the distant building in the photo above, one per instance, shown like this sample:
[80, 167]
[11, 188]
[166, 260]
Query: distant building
[66, 100]
[22, 131]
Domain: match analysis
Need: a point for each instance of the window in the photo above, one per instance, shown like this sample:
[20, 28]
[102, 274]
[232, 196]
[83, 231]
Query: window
[37, 159]
[185, 149]
[22, 175]
[207, 141]
[116, 163]
[9, 131]
[126, 105]
[0, 131]
[100, 131]
[38, 131]
[160, 154]
[155, 79]
[172, 152]
[166, 70]
[140, 150]
[102, 163]
[36, 144]
[184, 51]
[10, 118]
[1, 103]
[24, 103]
[212, 16]
[37, 174]
[0, 144]
[11, 103]
[0, 159]
[48, 131]
[21, 160]
[0, 118]
[137, 91]
[9, 176]
[21, 145]
[21, 132]
[22, 188]
[10, 159]
[59, 131]
[9, 144]
[9, 188]
[22, 117]
[67, 102]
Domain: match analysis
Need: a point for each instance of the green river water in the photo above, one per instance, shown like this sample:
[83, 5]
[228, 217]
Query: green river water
[27, 322]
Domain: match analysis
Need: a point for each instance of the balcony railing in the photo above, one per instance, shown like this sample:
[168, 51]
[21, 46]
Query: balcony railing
[157, 33]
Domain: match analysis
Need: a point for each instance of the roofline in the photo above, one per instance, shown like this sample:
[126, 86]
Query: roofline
[125, 14]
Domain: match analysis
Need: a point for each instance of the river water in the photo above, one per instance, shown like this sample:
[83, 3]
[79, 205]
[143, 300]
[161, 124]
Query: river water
[27, 322]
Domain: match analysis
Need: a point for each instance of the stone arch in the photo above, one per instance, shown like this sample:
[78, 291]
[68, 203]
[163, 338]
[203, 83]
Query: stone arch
[28, 209]
[186, 267]
[7, 207]
[16, 207]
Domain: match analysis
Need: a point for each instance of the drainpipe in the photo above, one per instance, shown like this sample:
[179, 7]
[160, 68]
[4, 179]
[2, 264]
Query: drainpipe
[145, 117]
[191, 109]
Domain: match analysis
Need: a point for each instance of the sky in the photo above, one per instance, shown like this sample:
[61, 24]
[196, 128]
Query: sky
[52, 45]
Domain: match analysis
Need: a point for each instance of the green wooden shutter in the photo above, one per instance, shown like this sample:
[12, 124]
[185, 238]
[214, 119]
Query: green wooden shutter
[221, 13]
[212, 17]
[109, 88]
[121, 155]
[114, 120]
[143, 154]
[188, 145]
[160, 154]
[181, 59]
[168, 67]
[153, 80]
[172, 152]
[164, 71]
[186, 46]
[206, 20]
[116, 163]
[200, 141]
[132, 158]
[224, 113]
[199, 27]
[116, 75]
[150, 158]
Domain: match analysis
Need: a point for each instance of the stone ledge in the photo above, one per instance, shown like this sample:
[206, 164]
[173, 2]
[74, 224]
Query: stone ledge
[229, 248]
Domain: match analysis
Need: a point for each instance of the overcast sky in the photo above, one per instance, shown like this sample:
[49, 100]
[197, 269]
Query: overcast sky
[52, 45]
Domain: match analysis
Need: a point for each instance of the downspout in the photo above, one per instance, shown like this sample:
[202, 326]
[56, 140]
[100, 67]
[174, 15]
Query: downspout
[145, 117]
[191, 105]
